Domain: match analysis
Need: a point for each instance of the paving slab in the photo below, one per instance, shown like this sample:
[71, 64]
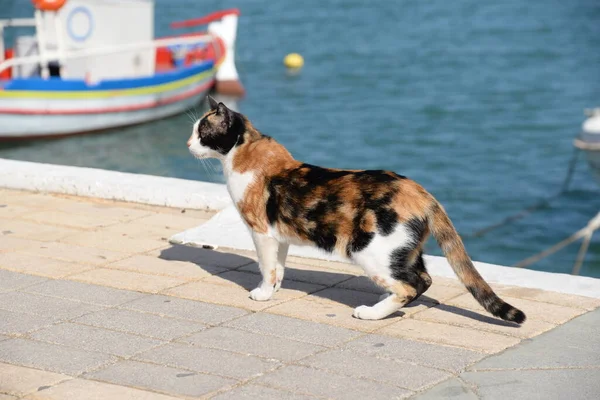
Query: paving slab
[211, 361]
[34, 265]
[69, 219]
[36, 200]
[135, 230]
[156, 266]
[86, 293]
[73, 253]
[437, 356]
[552, 313]
[303, 273]
[452, 388]
[361, 366]
[28, 303]
[160, 378]
[10, 211]
[472, 339]
[303, 331]
[207, 313]
[51, 357]
[36, 231]
[81, 389]
[20, 381]
[535, 384]
[253, 392]
[11, 243]
[127, 280]
[17, 323]
[332, 386]
[202, 257]
[95, 339]
[13, 280]
[224, 292]
[572, 345]
[334, 307]
[144, 324]
[111, 210]
[168, 221]
[252, 343]
[561, 299]
[484, 322]
[110, 241]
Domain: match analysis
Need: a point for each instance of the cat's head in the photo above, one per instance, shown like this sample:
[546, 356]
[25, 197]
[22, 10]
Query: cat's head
[217, 132]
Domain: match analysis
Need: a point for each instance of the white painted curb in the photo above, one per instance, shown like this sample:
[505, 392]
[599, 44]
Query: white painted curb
[113, 185]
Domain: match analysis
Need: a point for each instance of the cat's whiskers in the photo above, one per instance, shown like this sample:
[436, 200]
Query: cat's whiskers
[190, 112]
[203, 161]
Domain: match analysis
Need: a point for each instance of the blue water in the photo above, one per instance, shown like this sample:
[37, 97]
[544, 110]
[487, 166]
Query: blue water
[478, 101]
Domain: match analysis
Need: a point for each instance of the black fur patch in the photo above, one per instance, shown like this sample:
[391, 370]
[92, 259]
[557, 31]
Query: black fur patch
[293, 200]
[387, 219]
[222, 130]
[496, 306]
[418, 228]
[403, 271]
[360, 239]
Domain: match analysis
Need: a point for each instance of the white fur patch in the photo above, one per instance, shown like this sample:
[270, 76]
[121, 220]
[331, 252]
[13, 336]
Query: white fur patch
[376, 257]
[197, 149]
[237, 183]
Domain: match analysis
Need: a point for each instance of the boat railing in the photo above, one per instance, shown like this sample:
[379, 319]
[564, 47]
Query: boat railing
[99, 51]
[13, 23]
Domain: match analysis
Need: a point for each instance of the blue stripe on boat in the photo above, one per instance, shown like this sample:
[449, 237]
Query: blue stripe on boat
[58, 85]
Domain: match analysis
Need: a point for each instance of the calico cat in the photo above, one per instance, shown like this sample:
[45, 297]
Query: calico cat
[377, 219]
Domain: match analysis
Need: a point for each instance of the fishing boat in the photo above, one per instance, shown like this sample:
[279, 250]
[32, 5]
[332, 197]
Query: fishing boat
[93, 65]
[588, 140]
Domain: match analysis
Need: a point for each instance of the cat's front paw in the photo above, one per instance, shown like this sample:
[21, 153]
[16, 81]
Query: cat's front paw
[260, 294]
[365, 312]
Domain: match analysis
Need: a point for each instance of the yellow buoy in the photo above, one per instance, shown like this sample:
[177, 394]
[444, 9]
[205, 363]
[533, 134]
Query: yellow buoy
[293, 60]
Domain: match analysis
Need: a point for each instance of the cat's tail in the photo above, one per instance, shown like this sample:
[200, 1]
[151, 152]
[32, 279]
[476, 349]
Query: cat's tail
[448, 239]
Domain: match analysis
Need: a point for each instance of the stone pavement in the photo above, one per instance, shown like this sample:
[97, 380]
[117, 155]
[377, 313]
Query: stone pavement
[561, 364]
[95, 304]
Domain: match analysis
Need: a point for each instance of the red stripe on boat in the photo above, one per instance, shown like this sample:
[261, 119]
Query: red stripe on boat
[205, 19]
[134, 107]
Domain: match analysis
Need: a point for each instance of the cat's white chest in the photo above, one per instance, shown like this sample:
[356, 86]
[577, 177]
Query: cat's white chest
[237, 184]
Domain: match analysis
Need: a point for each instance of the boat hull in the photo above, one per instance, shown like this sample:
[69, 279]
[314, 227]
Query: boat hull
[593, 158]
[33, 126]
[30, 114]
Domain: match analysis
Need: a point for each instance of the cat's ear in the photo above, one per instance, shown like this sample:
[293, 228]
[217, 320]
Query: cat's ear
[212, 103]
[222, 109]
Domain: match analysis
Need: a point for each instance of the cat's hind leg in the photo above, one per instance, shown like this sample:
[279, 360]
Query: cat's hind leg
[267, 250]
[407, 280]
[281, 256]
[401, 293]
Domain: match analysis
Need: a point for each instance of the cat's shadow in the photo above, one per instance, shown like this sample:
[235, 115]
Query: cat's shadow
[247, 276]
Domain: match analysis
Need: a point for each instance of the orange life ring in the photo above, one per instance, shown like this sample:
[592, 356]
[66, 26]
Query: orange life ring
[49, 5]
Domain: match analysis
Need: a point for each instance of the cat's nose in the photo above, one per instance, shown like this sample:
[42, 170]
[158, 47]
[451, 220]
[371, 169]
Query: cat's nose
[189, 142]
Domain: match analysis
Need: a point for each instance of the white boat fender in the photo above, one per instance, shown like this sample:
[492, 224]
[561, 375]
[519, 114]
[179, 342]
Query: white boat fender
[592, 124]
[227, 78]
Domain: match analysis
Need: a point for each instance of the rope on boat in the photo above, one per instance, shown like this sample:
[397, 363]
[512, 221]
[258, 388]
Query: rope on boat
[586, 233]
[539, 205]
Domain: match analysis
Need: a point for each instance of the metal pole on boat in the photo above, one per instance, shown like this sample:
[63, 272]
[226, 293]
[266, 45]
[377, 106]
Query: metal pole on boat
[59, 43]
[39, 27]
[1, 42]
